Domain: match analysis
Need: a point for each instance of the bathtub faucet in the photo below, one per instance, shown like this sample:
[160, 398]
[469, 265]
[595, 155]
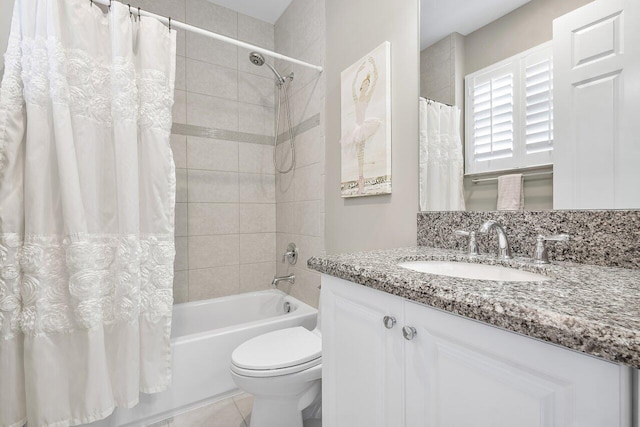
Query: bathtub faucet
[290, 278]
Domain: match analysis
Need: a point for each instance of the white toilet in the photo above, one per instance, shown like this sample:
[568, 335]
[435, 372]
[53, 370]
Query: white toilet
[282, 370]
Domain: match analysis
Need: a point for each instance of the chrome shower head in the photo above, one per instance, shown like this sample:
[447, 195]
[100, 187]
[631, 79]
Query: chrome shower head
[258, 59]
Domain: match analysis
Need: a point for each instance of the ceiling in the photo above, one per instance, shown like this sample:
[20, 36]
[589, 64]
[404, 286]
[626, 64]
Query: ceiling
[264, 10]
[439, 18]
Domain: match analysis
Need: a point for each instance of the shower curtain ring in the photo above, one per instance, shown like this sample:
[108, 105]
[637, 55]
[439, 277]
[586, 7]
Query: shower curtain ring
[130, 14]
[139, 17]
[109, 4]
[169, 24]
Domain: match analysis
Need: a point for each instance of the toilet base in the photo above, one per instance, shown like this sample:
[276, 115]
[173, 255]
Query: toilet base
[272, 413]
[269, 411]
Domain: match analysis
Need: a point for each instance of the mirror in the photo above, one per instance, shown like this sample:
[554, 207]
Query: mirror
[528, 105]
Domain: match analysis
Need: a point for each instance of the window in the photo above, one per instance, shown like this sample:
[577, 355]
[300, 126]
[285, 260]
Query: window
[509, 113]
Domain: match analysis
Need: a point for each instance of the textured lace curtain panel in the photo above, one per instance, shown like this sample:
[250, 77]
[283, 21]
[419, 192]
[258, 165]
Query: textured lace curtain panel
[87, 199]
[441, 158]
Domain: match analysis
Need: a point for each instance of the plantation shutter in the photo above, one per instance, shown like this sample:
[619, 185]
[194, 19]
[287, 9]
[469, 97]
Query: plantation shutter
[509, 113]
[493, 119]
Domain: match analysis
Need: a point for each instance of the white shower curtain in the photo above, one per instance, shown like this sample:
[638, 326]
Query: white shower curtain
[441, 159]
[87, 193]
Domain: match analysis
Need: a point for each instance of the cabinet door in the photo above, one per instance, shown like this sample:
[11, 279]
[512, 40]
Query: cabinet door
[361, 358]
[462, 373]
[596, 103]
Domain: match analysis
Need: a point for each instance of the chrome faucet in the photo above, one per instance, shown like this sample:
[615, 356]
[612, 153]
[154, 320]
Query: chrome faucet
[504, 251]
[291, 278]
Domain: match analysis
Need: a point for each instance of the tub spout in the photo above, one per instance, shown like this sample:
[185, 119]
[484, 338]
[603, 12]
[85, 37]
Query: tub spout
[290, 278]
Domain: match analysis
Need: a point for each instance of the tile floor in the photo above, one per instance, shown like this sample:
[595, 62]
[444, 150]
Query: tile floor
[234, 411]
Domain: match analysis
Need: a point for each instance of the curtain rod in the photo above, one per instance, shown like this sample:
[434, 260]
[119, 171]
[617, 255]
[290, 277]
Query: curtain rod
[197, 30]
[429, 100]
[525, 175]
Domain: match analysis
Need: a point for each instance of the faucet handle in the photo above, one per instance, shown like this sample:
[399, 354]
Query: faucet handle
[291, 254]
[473, 243]
[540, 255]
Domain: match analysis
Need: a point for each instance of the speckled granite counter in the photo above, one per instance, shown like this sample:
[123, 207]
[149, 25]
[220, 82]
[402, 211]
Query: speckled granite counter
[591, 309]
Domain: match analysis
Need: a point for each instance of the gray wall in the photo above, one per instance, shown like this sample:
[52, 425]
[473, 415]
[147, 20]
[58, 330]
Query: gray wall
[300, 33]
[355, 28]
[442, 71]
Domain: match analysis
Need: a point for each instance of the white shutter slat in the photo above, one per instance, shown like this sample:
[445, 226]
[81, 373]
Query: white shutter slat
[493, 112]
[538, 126]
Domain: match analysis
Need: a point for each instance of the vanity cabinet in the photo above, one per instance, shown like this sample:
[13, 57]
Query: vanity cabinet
[449, 371]
[363, 356]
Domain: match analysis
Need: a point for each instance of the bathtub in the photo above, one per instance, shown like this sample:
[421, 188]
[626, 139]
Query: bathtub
[203, 336]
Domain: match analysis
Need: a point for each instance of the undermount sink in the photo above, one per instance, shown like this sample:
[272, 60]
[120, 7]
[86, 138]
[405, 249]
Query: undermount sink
[465, 270]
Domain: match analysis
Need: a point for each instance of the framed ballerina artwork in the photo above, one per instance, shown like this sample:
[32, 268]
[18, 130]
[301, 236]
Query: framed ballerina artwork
[366, 125]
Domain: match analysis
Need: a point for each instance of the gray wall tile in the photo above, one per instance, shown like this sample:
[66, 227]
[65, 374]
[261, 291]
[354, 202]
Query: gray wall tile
[179, 112]
[181, 261]
[254, 31]
[181, 76]
[212, 112]
[212, 186]
[309, 185]
[212, 154]
[206, 49]
[260, 247]
[179, 149]
[254, 89]
[258, 218]
[210, 79]
[205, 14]
[256, 119]
[213, 251]
[180, 287]
[181, 185]
[307, 218]
[256, 158]
[213, 218]
[257, 188]
[213, 282]
[181, 220]
[256, 277]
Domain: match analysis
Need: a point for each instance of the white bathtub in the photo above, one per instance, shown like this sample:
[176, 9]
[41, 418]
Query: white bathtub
[203, 336]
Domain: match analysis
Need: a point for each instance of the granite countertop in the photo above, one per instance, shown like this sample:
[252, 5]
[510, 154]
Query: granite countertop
[591, 309]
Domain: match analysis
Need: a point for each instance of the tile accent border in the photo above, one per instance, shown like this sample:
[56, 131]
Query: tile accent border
[600, 237]
[227, 135]
[302, 127]
[230, 135]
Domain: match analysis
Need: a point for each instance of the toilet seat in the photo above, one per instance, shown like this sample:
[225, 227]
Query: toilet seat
[276, 353]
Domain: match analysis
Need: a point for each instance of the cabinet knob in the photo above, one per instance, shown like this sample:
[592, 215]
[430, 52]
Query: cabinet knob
[409, 332]
[389, 321]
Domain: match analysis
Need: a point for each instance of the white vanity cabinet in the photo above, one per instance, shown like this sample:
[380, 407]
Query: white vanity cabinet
[364, 357]
[454, 372]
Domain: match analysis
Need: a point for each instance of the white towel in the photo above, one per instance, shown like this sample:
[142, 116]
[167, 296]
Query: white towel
[511, 192]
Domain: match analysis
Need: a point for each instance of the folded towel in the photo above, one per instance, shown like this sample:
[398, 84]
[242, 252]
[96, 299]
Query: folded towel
[511, 192]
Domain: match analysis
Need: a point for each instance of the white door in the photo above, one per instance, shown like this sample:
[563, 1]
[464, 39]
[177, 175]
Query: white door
[596, 102]
[361, 358]
[462, 373]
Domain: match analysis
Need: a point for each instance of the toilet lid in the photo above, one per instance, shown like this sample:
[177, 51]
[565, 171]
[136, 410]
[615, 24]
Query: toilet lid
[278, 349]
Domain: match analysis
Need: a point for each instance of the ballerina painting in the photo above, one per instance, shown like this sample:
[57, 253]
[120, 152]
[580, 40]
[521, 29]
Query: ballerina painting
[366, 127]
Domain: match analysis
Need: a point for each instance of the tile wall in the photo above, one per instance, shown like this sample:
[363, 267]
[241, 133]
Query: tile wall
[300, 32]
[226, 203]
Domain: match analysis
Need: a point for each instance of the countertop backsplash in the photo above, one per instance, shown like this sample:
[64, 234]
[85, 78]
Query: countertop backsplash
[599, 237]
